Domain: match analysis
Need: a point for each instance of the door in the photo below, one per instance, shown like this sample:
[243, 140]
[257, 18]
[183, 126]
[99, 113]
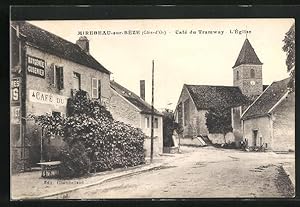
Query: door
[255, 137]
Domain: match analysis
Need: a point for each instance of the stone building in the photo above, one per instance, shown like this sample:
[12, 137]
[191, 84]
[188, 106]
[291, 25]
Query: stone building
[196, 100]
[129, 108]
[270, 120]
[46, 70]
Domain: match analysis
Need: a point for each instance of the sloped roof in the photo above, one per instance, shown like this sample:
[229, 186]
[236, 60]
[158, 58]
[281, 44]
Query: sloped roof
[206, 96]
[265, 86]
[58, 46]
[247, 55]
[133, 98]
[267, 99]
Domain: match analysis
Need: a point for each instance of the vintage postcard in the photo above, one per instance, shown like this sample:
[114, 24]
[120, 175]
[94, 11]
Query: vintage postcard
[152, 108]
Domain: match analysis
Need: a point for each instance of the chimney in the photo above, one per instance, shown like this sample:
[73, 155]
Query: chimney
[83, 43]
[142, 89]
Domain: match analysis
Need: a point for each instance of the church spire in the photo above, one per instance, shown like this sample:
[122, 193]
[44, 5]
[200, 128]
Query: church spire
[247, 55]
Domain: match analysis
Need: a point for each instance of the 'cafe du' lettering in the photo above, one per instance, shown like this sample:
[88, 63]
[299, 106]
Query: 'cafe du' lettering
[47, 98]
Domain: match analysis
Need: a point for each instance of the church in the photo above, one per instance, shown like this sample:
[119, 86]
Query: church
[245, 94]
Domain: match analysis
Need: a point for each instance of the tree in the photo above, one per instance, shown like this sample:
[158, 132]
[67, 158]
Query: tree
[218, 120]
[168, 127]
[289, 48]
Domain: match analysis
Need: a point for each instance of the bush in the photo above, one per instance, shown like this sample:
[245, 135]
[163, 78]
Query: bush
[105, 142]
[74, 161]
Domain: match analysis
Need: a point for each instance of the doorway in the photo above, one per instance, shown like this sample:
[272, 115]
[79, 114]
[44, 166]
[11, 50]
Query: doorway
[255, 132]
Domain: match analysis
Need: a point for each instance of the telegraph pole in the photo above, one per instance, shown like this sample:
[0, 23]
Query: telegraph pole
[152, 113]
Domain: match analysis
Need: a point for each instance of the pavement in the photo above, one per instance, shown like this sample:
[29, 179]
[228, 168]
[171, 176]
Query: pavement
[195, 172]
[41, 188]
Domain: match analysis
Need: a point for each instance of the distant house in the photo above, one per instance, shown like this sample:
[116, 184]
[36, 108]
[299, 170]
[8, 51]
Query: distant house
[270, 119]
[129, 108]
[196, 100]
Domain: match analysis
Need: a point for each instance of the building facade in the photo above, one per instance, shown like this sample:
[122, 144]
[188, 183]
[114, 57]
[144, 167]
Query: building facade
[127, 107]
[270, 120]
[196, 100]
[50, 70]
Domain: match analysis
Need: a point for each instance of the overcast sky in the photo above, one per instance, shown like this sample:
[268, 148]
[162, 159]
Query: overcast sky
[200, 58]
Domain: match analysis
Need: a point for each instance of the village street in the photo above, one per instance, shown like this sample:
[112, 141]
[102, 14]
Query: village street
[202, 173]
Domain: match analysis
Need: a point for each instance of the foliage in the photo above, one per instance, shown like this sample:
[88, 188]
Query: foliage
[218, 120]
[75, 161]
[289, 48]
[107, 143]
[168, 127]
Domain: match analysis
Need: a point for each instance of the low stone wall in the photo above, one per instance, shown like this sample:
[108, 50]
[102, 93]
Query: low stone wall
[219, 138]
[188, 141]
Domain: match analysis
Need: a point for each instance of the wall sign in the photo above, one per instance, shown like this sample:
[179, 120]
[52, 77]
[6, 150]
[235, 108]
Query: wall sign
[15, 115]
[47, 98]
[36, 66]
[15, 90]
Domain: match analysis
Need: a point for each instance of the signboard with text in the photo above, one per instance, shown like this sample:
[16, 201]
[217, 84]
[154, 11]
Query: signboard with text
[35, 66]
[15, 115]
[15, 90]
[47, 98]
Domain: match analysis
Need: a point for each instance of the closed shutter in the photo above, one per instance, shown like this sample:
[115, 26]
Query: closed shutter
[60, 75]
[51, 74]
[99, 89]
[94, 88]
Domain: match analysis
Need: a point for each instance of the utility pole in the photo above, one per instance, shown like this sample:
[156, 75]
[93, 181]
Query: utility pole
[152, 113]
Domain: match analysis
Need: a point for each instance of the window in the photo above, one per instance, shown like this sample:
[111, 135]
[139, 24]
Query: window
[96, 88]
[155, 123]
[99, 89]
[57, 76]
[237, 75]
[186, 111]
[252, 73]
[76, 81]
[147, 122]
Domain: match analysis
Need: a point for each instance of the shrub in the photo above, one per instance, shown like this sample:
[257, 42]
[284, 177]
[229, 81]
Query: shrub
[75, 161]
[107, 143]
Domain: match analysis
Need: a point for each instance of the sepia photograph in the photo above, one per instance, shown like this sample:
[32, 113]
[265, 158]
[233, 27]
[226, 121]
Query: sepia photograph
[152, 108]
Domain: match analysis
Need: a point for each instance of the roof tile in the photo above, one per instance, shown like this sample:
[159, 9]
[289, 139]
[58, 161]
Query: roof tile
[268, 99]
[58, 46]
[247, 55]
[206, 96]
[134, 99]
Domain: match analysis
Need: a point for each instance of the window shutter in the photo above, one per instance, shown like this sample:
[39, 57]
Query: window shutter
[94, 88]
[51, 74]
[60, 78]
[99, 89]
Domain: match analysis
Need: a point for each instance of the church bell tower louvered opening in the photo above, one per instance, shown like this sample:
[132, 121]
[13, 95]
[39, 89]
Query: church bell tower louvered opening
[247, 71]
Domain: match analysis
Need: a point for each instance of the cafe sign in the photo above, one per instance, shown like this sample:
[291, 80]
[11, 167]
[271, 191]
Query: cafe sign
[47, 98]
[36, 66]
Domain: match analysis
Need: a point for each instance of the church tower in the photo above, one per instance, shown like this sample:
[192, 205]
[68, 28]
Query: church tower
[247, 71]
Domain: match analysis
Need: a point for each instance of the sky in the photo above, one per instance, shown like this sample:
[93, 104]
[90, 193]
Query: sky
[184, 51]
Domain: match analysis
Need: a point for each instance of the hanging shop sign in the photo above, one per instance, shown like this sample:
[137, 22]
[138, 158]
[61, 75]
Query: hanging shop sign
[15, 115]
[36, 66]
[15, 90]
[47, 98]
